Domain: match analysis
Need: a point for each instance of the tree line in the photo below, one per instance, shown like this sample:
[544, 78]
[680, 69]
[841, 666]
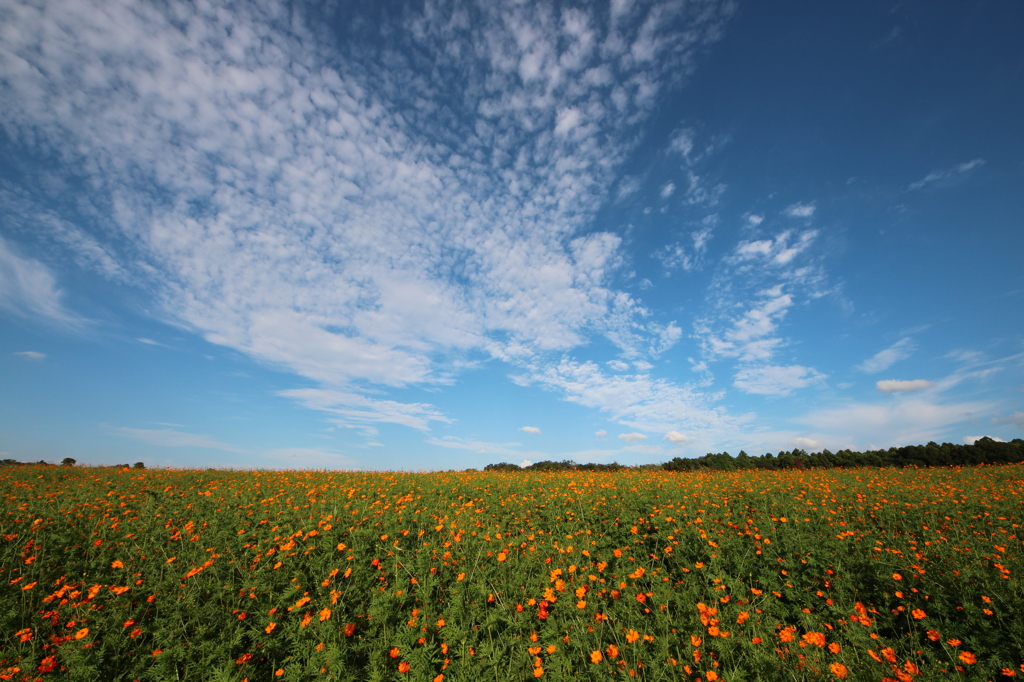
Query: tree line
[982, 451]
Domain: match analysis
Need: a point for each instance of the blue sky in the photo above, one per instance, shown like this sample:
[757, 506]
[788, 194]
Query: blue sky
[439, 235]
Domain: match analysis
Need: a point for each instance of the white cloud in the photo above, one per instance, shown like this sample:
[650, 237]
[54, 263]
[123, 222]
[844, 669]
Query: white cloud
[971, 440]
[632, 437]
[755, 220]
[306, 458]
[628, 186]
[525, 463]
[175, 439]
[617, 365]
[779, 251]
[686, 258]
[31, 354]
[529, 429]
[601, 433]
[681, 142]
[943, 176]
[668, 190]
[776, 380]
[28, 289]
[884, 359]
[676, 438]
[638, 401]
[806, 443]
[752, 336]
[361, 409]
[356, 221]
[896, 386]
[905, 420]
[800, 210]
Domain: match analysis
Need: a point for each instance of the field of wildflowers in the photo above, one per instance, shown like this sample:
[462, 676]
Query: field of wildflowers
[866, 574]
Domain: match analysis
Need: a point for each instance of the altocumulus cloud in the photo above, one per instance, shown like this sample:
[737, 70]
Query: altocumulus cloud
[279, 204]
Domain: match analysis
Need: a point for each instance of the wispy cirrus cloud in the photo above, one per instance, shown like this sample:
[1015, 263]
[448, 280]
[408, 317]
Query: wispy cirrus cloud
[31, 355]
[943, 177]
[898, 421]
[373, 220]
[886, 358]
[28, 289]
[776, 380]
[173, 438]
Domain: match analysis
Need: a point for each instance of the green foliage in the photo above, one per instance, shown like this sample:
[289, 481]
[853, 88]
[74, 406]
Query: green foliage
[159, 575]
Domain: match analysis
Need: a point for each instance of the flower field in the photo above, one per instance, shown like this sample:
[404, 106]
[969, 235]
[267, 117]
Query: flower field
[863, 574]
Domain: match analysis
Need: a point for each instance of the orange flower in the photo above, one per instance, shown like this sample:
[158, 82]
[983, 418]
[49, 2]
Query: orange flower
[325, 614]
[933, 635]
[839, 670]
[84, 632]
[612, 651]
[711, 675]
[270, 628]
[834, 647]
[538, 671]
[967, 657]
[596, 656]
[279, 672]
[403, 667]
[816, 638]
[632, 636]
[117, 564]
[350, 629]
[394, 653]
[918, 614]
[897, 576]
[695, 640]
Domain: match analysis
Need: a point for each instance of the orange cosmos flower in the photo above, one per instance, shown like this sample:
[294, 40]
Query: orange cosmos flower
[596, 656]
[270, 628]
[350, 629]
[612, 651]
[918, 614]
[394, 653]
[403, 667]
[816, 638]
[839, 670]
[967, 657]
[84, 632]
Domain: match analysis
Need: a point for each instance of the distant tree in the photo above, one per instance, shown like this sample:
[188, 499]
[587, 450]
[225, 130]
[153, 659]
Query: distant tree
[69, 462]
[140, 465]
[501, 466]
